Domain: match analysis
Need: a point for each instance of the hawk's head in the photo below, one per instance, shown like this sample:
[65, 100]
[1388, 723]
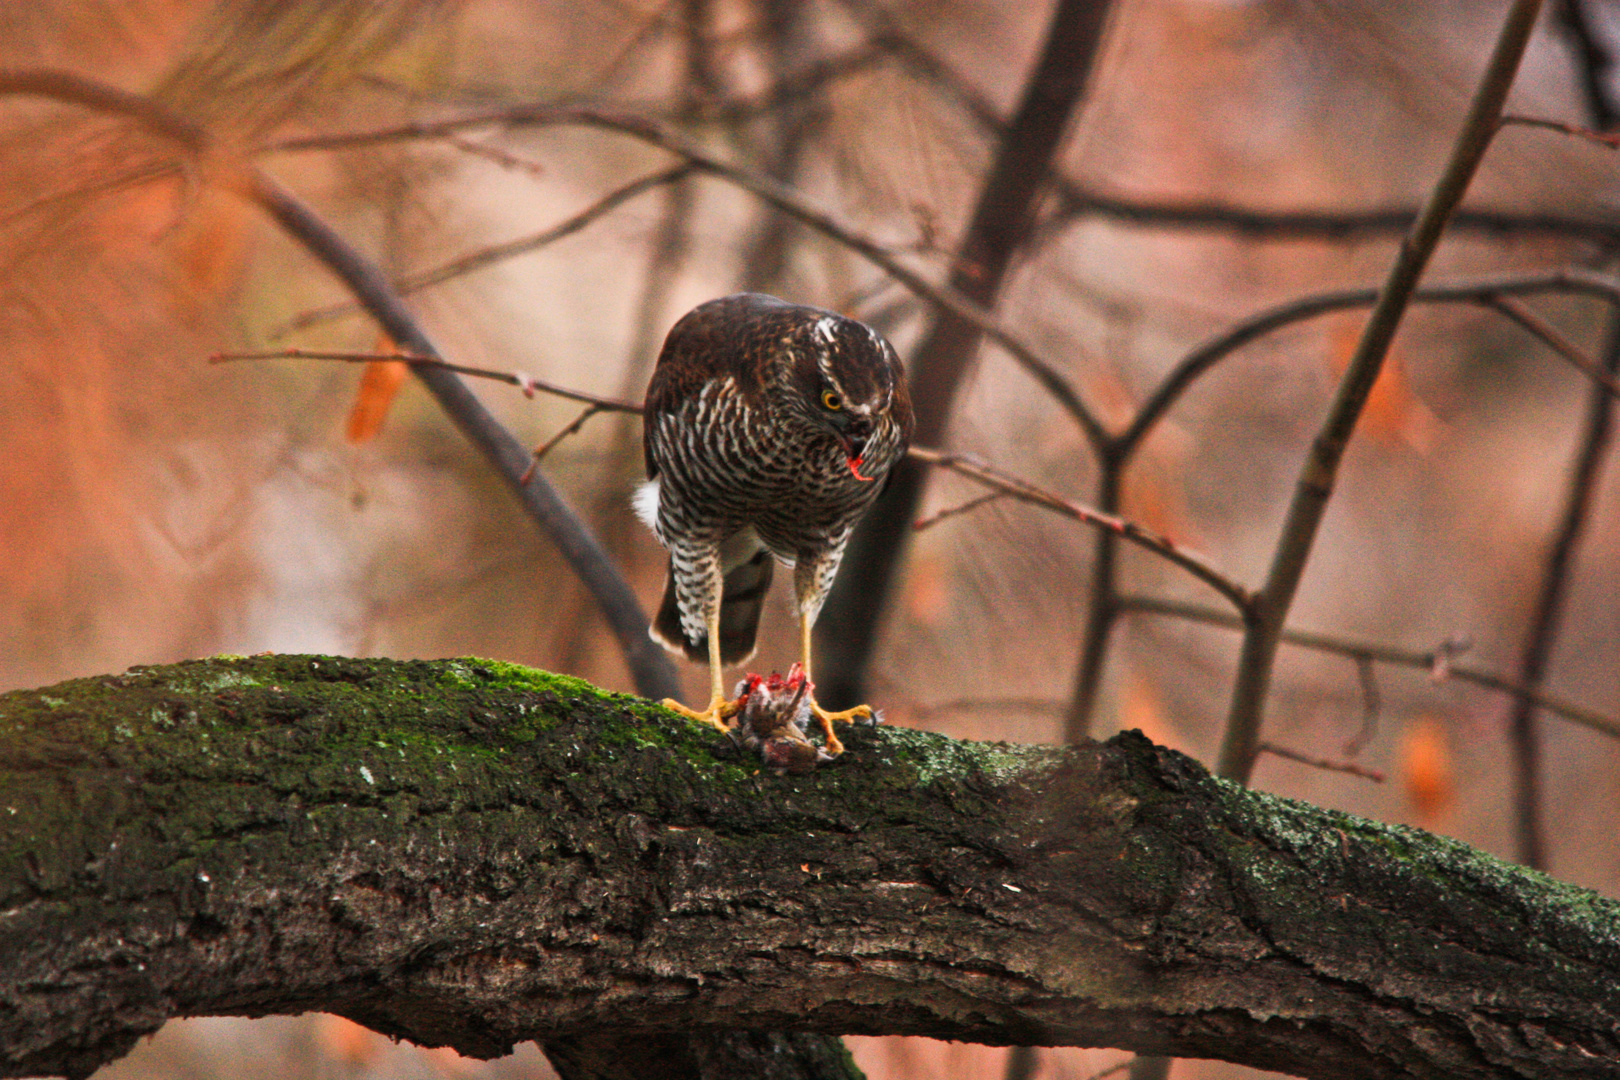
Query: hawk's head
[844, 380]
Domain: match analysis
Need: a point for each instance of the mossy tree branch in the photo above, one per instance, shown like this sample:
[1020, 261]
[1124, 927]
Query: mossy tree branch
[470, 853]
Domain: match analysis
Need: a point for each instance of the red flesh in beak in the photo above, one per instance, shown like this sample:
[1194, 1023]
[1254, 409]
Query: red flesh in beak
[853, 459]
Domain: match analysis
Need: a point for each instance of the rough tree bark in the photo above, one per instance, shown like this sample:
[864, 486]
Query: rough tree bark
[470, 853]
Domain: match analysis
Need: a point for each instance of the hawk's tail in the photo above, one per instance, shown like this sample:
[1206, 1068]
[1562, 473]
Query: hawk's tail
[740, 605]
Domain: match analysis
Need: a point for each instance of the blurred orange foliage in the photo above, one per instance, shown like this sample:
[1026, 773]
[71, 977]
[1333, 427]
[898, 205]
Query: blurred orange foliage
[379, 384]
[1427, 776]
[927, 589]
[346, 1042]
[1394, 412]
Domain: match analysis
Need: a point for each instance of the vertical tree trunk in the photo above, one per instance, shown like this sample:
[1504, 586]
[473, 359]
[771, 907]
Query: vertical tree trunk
[1001, 224]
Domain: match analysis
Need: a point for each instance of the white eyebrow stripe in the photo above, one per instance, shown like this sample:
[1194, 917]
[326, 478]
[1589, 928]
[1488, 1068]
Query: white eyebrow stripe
[824, 328]
[824, 365]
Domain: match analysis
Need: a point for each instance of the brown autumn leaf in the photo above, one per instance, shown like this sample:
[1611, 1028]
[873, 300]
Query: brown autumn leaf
[1154, 495]
[1142, 708]
[1427, 775]
[927, 596]
[379, 383]
[210, 244]
[346, 1042]
[1394, 412]
[1108, 394]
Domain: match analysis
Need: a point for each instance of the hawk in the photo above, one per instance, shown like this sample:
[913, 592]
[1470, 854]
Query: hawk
[769, 429]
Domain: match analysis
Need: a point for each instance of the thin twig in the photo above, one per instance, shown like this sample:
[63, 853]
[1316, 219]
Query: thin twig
[788, 91]
[1371, 705]
[1439, 662]
[960, 508]
[500, 157]
[654, 674]
[1024, 491]
[526, 383]
[770, 191]
[1473, 291]
[1314, 487]
[1323, 763]
[1077, 202]
[1116, 1067]
[546, 447]
[1557, 342]
[488, 256]
[1612, 141]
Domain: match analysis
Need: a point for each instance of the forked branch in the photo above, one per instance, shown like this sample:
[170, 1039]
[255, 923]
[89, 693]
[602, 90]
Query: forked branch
[1024, 491]
[1315, 485]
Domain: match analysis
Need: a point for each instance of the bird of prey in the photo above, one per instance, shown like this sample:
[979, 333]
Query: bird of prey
[769, 429]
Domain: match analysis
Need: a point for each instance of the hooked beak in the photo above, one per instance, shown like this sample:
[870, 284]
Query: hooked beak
[854, 447]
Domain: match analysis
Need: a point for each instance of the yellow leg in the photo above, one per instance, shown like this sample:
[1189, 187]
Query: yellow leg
[835, 746]
[720, 708]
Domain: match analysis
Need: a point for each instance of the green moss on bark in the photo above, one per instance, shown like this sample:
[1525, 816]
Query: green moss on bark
[471, 852]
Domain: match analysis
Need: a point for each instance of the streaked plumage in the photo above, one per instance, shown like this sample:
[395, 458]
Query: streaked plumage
[769, 429]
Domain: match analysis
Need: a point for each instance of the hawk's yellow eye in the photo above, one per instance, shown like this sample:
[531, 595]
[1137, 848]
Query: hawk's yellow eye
[830, 400]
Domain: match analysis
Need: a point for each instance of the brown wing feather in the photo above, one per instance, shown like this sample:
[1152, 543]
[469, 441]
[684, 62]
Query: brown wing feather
[741, 603]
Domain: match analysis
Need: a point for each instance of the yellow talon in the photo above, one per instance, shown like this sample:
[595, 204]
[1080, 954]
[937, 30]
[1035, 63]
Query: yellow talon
[835, 746]
[719, 711]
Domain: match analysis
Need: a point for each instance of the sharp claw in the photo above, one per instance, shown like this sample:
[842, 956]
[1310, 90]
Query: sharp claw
[835, 746]
[719, 711]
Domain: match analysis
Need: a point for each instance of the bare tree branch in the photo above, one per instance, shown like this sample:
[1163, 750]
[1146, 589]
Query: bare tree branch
[649, 666]
[1476, 291]
[1314, 487]
[489, 256]
[65, 86]
[890, 39]
[1077, 202]
[550, 444]
[1557, 342]
[526, 383]
[1438, 662]
[786, 92]
[785, 199]
[1117, 452]
[1611, 141]
[470, 853]
[1595, 71]
[960, 508]
[500, 157]
[1329, 764]
[1024, 491]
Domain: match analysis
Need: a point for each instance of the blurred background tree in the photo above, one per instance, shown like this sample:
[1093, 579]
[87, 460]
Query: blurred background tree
[1224, 157]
